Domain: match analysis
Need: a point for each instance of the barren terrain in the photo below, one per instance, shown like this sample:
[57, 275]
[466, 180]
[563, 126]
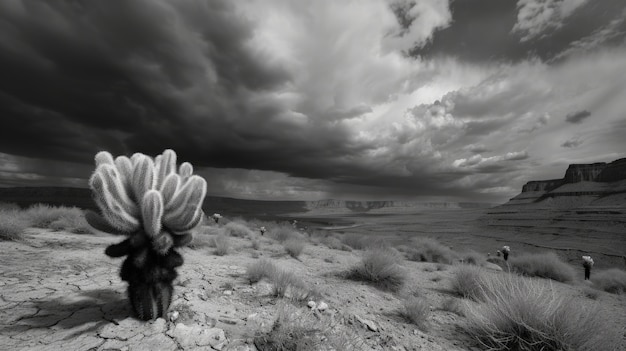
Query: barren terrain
[59, 291]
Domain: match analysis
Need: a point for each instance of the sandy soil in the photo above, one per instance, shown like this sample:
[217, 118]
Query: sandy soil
[60, 292]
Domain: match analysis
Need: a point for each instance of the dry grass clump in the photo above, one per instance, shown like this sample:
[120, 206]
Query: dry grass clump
[416, 310]
[283, 233]
[12, 224]
[294, 247]
[543, 265]
[380, 267]
[611, 280]
[264, 268]
[300, 329]
[466, 281]
[201, 240]
[355, 241]
[473, 257]
[518, 313]
[452, 305]
[590, 293]
[9, 206]
[430, 250]
[238, 230]
[222, 244]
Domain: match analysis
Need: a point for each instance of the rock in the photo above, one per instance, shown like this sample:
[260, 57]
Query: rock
[173, 316]
[369, 324]
[197, 336]
[311, 304]
[228, 292]
[322, 306]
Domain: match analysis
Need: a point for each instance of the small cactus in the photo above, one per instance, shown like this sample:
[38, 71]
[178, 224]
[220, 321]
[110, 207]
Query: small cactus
[157, 208]
[587, 264]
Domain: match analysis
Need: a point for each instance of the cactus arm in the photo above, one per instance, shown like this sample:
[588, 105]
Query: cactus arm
[181, 240]
[104, 157]
[167, 165]
[144, 176]
[152, 212]
[119, 250]
[185, 170]
[112, 210]
[184, 211]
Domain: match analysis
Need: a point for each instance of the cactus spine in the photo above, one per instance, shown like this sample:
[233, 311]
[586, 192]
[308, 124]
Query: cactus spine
[157, 208]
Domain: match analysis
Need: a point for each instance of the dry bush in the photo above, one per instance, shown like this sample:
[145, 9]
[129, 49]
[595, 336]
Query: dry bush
[430, 250]
[380, 267]
[303, 330]
[283, 233]
[543, 265]
[332, 242]
[356, 241]
[264, 268]
[72, 221]
[12, 224]
[452, 305]
[201, 240]
[466, 281]
[416, 310]
[517, 313]
[238, 230]
[222, 245]
[611, 280]
[294, 247]
[472, 257]
[255, 244]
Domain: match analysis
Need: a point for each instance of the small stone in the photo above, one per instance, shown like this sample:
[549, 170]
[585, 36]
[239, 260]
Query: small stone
[228, 292]
[173, 316]
[322, 306]
[311, 304]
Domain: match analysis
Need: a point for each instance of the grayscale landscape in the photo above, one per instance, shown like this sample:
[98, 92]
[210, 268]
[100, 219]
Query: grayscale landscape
[313, 175]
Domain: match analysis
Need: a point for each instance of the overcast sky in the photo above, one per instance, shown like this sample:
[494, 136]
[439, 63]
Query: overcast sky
[285, 99]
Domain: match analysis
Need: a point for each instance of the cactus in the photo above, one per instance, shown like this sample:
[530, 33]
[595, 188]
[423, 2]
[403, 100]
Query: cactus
[157, 208]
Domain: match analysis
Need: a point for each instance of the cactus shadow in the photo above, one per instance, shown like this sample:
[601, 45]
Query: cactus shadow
[80, 313]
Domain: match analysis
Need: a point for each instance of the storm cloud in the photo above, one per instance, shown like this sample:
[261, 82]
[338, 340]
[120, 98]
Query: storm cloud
[281, 99]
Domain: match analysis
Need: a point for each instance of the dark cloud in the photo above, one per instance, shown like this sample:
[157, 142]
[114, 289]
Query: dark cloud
[577, 117]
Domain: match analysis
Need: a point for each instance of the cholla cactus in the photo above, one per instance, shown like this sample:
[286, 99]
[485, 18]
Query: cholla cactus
[505, 252]
[157, 207]
[262, 230]
[587, 264]
[216, 217]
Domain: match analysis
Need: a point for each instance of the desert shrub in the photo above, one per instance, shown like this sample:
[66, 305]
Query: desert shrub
[416, 310]
[517, 313]
[298, 329]
[380, 267]
[222, 245]
[283, 233]
[452, 305]
[255, 244]
[201, 240]
[71, 220]
[237, 229]
[355, 241]
[41, 215]
[264, 268]
[440, 267]
[294, 247]
[430, 250]
[543, 265]
[466, 281]
[332, 242]
[472, 257]
[12, 224]
[611, 280]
